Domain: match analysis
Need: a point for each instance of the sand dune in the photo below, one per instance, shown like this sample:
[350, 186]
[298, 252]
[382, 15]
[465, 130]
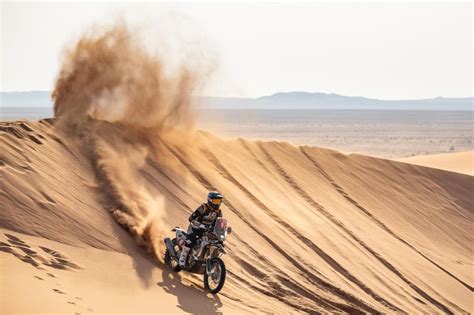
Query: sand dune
[459, 162]
[315, 231]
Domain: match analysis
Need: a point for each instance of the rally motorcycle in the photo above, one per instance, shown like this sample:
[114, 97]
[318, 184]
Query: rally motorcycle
[204, 257]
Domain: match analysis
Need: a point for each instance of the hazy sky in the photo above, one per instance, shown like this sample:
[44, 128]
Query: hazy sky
[384, 50]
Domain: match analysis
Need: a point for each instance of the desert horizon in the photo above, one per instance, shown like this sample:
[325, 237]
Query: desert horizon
[391, 134]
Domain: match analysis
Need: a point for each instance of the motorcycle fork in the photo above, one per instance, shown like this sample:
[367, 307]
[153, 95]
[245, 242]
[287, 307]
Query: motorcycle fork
[208, 266]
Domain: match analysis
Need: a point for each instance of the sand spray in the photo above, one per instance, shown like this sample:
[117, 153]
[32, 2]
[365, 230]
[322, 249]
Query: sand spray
[119, 97]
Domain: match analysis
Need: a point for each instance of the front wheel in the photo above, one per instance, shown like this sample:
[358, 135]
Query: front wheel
[214, 280]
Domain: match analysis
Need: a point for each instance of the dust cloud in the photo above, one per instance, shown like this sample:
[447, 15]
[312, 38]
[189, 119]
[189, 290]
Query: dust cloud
[119, 97]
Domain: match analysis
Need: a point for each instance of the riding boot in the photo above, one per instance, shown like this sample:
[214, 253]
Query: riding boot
[183, 256]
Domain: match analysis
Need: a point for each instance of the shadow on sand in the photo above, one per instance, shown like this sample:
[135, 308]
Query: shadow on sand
[189, 298]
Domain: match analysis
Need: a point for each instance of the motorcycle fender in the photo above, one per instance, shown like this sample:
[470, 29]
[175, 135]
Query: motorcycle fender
[220, 249]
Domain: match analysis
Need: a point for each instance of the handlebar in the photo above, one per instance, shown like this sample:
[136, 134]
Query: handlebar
[198, 225]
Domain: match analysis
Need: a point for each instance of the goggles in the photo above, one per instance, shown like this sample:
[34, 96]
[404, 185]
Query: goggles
[216, 202]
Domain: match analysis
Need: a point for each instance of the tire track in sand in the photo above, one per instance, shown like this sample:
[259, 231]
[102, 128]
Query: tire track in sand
[321, 253]
[320, 283]
[343, 193]
[276, 295]
[329, 305]
[280, 273]
[330, 217]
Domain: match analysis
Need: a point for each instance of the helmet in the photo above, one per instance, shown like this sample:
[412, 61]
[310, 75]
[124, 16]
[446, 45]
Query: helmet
[214, 199]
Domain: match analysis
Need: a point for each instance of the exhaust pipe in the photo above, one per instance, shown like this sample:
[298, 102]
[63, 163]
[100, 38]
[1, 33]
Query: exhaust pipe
[170, 247]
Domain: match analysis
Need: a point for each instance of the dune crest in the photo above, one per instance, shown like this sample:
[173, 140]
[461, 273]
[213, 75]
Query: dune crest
[459, 162]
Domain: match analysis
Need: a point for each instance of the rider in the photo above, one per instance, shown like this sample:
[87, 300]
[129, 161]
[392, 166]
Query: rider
[205, 214]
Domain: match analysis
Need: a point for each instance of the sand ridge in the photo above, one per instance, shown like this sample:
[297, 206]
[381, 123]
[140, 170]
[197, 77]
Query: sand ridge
[459, 162]
[315, 231]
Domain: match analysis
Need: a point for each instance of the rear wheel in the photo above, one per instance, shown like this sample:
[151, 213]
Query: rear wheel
[214, 280]
[172, 263]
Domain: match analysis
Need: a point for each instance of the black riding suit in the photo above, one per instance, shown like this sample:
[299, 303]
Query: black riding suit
[204, 214]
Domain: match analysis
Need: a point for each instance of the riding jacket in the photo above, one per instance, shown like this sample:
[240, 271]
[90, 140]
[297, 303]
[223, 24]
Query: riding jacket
[205, 215]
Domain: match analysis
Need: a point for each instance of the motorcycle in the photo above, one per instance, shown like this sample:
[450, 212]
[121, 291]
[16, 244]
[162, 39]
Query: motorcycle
[204, 257]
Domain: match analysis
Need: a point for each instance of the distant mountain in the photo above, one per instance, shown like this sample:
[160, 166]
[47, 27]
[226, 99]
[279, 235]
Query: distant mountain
[306, 100]
[288, 100]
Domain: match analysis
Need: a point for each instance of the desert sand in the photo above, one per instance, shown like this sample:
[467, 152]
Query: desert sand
[315, 231]
[459, 162]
